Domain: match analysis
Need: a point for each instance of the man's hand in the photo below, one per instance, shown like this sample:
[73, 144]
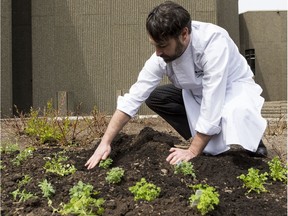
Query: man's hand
[101, 153]
[177, 155]
[197, 145]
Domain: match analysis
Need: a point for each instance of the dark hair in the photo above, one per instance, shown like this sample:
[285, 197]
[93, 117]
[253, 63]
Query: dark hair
[167, 20]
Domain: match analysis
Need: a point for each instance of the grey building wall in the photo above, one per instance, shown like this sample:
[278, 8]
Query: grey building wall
[266, 33]
[94, 49]
[6, 58]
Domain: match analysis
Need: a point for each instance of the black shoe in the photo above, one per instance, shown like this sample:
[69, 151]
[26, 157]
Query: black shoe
[261, 151]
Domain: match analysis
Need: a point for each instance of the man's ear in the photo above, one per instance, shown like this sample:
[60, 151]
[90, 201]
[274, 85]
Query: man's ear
[185, 33]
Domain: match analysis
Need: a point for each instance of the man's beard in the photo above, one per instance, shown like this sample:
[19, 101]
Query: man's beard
[178, 52]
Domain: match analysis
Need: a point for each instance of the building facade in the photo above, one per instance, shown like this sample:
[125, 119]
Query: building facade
[263, 39]
[88, 51]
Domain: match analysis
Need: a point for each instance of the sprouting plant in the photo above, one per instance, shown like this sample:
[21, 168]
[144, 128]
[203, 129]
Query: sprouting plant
[55, 165]
[254, 181]
[105, 163]
[46, 188]
[205, 198]
[22, 195]
[9, 148]
[23, 155]
[24, 181]
[45, 128]
[114, 175]
[145, 191]
[81, 202]
[185, 168]
[1, 165]
[277, 170]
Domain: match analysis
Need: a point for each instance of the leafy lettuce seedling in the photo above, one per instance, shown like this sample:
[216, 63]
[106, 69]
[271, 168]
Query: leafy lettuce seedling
[23, 155]
[185, 168]
[254, 181]
[205, 198]
[81, 201]
[145, 191]
[105, 164]
[278, 172]
[114, 175]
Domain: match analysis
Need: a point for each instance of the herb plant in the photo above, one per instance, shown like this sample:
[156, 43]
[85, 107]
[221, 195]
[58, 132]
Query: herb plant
[205, 198]
[46, 188]
[278, 172]
[81, 201]
[24, 181]
[254, 181]
[23, 155]
[22, 195]
[185, 168]
[105, 164]
[114, 175]
[56, 165]
[145, 191]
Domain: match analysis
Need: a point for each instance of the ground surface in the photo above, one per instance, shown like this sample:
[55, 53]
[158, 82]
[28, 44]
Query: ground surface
[141, 149]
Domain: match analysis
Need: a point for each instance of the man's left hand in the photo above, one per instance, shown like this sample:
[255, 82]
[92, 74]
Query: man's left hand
[178, 155]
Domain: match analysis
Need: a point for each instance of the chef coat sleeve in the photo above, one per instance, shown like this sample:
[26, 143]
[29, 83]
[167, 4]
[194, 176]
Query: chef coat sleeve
[215, 63]
[149, 77]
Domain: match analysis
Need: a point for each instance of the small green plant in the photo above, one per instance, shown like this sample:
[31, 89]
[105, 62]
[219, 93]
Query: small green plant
[81, 202]
[46, 188]
[21, 195]
[205, 198]
[1, 165]
[185, 168]
[9, 148]
[278, 172]
[114, 175]
[145, 191]
[105, 164]
[254, 181]
[26, 179]
[23, 155]
[55, 165]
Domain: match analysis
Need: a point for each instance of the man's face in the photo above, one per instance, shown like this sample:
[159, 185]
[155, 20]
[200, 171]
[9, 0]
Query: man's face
[169, 50]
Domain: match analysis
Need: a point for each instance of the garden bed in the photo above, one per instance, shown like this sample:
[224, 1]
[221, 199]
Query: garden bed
[143, 155]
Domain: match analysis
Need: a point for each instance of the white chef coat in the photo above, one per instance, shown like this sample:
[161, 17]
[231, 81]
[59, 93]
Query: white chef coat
[220, 95]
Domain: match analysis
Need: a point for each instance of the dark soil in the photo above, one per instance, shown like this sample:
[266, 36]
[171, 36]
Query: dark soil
[144, 155]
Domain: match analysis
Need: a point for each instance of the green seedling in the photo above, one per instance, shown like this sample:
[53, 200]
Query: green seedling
[145, 191]
[56, 165]
[114, 175]
[46, 188]
[2, 166]
[21, 195]
[254, 181]
[185, 168]
[23, 155]
[105, 164]
[24, 181]
[81, 202]
[278, 172]
[205, 198]
[9, 148]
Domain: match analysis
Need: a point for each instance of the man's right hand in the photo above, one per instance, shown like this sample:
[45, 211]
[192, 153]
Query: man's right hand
[101, 153]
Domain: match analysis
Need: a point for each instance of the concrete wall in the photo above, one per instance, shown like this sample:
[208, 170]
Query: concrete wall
[6, 58]
[95, 48]
[266, 32]
[227, 17]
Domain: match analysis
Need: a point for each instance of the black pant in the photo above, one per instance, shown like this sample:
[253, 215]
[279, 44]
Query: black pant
[167, 102]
